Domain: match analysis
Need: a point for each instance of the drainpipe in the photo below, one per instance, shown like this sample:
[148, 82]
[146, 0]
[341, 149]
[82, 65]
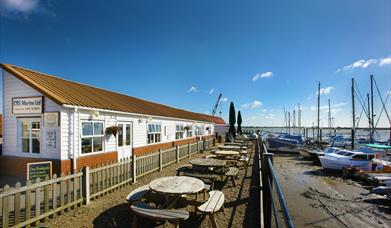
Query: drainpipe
[74, 160]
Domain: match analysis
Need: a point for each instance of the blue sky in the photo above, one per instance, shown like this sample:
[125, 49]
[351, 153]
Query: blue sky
[262, 55]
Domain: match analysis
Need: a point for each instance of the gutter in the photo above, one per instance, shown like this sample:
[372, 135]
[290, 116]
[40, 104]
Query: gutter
[128, 113]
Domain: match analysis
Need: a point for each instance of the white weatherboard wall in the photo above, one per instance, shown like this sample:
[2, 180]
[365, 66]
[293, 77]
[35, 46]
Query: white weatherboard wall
[68, 133]
[139, 125]
[13, 87]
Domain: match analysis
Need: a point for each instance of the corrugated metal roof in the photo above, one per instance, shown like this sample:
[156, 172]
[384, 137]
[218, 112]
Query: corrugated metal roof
[65, 92]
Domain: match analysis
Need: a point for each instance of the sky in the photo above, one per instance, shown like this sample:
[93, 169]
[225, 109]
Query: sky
[265, 56]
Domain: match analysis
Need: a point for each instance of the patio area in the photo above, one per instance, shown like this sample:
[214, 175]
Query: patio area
[112, 210]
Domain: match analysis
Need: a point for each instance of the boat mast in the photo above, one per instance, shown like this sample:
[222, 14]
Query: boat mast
[289, 122]
[318, 136]
[372, 114]
[329, 117]
[299, 115]
[369, 117]
[353, 116]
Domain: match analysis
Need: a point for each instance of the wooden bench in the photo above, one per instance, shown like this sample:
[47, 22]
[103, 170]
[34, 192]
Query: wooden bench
[231, 174]
[214, 204]
[137, 194]
[183, 168]
[244, 160]
[146, 211]
[210, 156]
[203, 176]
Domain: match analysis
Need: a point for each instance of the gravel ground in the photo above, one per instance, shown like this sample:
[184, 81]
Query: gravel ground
[326, 199]
[112, 210]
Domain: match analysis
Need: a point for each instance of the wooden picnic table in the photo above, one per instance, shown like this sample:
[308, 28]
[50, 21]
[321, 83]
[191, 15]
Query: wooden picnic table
[229, 147]
[177, 185]
[232, 144]
[208, 162]
[173, 187]
[227, 153]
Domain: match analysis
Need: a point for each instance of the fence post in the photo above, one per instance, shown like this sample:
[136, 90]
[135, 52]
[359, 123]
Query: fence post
[203, 144]
[177, 153]
[198, 149]
[188, 149]
[214, 141]
[160, 160]
[266, 180]
[86, 183]
[134, 168]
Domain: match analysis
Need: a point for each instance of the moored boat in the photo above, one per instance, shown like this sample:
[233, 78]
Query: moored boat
[284, 143]
[341, 159]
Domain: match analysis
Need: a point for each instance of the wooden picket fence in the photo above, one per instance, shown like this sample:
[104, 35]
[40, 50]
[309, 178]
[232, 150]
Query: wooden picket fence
[23, 206]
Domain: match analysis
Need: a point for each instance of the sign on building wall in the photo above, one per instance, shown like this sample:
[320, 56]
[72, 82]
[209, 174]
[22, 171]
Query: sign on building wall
[50, 139]
[51, 119]
[39, 170]
[27, 105]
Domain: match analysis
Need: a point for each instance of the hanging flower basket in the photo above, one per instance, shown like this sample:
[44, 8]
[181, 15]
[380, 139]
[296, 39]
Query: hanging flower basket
[112, 130]
[207, 128]
[187, 127]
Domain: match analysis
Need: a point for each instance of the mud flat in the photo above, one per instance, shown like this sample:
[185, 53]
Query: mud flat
[319, 199]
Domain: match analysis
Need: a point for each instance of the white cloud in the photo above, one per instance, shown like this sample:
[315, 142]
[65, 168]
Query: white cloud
[339, 104]
[264, 110]
[192, 89]
[334, 108]
[22, 6]
[270, 117]
[253, 105]
[362, 63]
[385, 61]
[325, 91]
[262, 75]
[223, 99]
[211, 91]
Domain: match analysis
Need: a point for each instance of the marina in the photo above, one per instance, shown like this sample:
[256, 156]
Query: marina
[195, 114]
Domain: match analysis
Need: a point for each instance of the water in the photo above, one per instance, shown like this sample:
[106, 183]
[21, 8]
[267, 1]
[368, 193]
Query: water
[381, 134]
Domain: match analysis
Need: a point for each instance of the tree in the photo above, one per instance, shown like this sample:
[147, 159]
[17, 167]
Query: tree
[239, 130]
[232, 121]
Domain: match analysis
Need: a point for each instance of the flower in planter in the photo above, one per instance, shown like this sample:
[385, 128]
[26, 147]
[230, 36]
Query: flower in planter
[112, 130]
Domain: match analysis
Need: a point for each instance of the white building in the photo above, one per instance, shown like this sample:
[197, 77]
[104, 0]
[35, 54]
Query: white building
[49, 118]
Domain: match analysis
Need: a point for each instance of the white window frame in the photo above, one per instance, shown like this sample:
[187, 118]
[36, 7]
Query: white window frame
[92, 136]
[154, 133]
[124, 124]
[191, 131]
[199, 130]
[20, 137]
[179, 131]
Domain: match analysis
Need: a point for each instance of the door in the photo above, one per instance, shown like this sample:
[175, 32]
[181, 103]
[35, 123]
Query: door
[29, 135]
[124, 140]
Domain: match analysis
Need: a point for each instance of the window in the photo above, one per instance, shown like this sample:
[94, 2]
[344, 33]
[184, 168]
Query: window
[127, 135]
[120, 135]
[92, 137]
[30, 135]
[154, 133]
[124, 134]
[189, 132]
[180, 130]
[361, 157]
[199, 131]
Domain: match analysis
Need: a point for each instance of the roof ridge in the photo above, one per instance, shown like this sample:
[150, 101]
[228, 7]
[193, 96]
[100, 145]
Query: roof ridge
[18, 68]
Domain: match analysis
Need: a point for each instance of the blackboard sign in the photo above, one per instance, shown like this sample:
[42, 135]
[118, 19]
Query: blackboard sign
[39, 170]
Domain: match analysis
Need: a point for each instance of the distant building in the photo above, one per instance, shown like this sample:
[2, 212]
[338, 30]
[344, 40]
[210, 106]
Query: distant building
[49, 118]
[220, 127]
